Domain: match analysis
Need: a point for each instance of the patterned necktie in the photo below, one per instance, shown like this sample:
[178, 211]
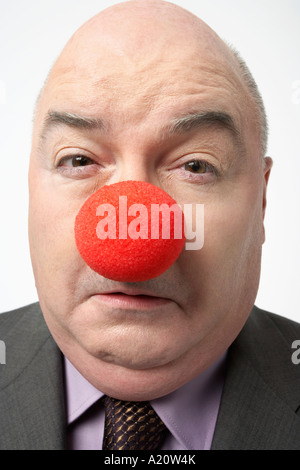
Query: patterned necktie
[131, 426]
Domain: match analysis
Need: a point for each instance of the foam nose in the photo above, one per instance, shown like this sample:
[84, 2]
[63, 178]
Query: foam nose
[130, 231]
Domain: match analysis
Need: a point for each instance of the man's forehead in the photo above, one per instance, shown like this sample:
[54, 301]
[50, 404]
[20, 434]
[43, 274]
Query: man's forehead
[155, 102]
[99, 70]
[105, 79]
[137, 35]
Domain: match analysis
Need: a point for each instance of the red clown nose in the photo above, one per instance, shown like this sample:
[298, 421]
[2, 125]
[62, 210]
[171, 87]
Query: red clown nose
[130, 231]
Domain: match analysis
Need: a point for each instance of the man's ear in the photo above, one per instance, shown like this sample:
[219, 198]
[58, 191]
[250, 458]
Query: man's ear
[267, 163]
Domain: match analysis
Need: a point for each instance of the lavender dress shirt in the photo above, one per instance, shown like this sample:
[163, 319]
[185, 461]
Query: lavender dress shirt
[189, 413]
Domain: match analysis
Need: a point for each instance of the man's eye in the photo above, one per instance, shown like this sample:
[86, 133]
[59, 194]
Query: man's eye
[76, 161]
[198, 167]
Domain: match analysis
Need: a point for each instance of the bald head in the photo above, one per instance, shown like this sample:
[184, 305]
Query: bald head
[143, 32]
[141, 26]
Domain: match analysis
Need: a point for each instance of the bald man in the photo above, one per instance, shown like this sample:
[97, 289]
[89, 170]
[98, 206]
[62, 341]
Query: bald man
[146, 91]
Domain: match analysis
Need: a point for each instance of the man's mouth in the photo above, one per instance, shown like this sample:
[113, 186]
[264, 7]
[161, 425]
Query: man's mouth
[132, 300]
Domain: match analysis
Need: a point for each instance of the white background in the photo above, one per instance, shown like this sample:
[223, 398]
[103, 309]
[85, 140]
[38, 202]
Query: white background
[266, 32]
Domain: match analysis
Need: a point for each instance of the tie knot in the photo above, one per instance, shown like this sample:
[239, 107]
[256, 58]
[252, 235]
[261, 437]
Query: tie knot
[131, 426]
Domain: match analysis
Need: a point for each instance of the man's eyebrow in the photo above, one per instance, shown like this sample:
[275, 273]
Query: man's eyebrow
[55, 118]
[184, 124]
[193, 121]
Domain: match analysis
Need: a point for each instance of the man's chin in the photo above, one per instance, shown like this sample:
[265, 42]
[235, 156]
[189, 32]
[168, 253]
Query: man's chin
[136, 384]
[135, 356]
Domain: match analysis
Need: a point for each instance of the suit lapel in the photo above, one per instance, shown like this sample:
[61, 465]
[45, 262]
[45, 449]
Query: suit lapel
[261, 392]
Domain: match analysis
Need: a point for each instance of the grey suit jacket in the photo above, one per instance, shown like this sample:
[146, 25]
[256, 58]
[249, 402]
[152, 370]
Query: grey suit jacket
[259, 409]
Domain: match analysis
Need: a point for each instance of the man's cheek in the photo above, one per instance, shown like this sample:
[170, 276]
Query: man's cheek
[229, 236]
[52, 239]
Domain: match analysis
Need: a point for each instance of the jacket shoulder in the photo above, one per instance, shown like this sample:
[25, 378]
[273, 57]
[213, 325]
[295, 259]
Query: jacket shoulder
[261, 401]
[9, 320]
[272, 327]
[23, 332]
[288, 328]
[32, 413]
[267, 342]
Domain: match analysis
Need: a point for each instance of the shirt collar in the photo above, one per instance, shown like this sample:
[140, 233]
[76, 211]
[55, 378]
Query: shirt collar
[80, 394]
[190, 412]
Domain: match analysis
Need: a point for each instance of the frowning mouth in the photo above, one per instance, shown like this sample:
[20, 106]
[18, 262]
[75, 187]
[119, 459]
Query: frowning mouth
[131, 300]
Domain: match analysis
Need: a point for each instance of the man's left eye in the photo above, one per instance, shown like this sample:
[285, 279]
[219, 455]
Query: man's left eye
[198, 167]
[76, 161]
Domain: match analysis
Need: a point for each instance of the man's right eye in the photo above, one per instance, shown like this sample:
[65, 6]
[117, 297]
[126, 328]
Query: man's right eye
[75, 161]
[78, 166]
